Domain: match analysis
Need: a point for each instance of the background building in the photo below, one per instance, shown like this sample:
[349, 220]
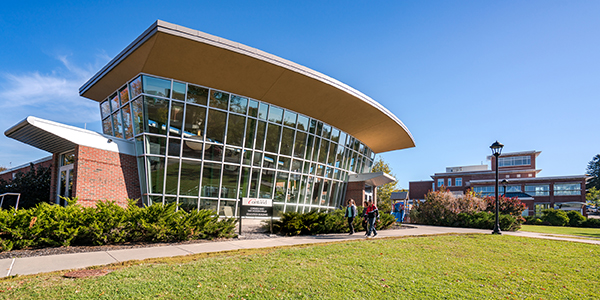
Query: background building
[198, 120]
[519, 169]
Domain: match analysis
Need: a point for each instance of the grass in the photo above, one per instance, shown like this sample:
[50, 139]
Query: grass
[432, 267]
[574, 231]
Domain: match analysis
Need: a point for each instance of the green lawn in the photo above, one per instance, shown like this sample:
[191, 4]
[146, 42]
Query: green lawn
[432, 267]
[576, 231]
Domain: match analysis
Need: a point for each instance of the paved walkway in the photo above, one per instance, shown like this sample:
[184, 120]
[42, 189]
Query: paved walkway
[42, 264]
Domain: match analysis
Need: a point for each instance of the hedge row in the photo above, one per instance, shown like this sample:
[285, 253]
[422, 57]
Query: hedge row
[311, 223]
[557, 217]
[48, 225]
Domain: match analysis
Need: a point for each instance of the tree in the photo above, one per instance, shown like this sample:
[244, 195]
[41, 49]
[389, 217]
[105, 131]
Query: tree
[593, 169]
[2, 168]
[384, 192]
[593, 196]
[34, 186]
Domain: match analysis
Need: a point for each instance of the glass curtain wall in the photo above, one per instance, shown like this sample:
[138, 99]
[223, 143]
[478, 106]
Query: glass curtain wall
[205, 148]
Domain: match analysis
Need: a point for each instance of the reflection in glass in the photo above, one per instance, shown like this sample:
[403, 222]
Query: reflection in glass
[105, 109]
[190, 177]
[114, 102]
[253, 108]
[127, 122]
[208, 204]
[302, 123]
[297, 166]
[215, 128]
[260, 135]
[229, 183]
[309, 146]
[316, 147]
[254, 183]
[313, 126]
[156, 144]
[210, 180]
[247, 160]
[213, 152]
[135, 86]
[156, 168]
[188, 204]
[263, 109]
[287, 141]
[326, 131]
[137, 111]
[176, 119]
[227, 209]
[196, 94]
[245, 183]
[283, 163]
[323, 151]
[178, 90]
[118, 126]
[335, 135]
[266, 184]
[107, 126]
[235, 130]
[194, 121]
[156, 86]
[219, 99]
[239, 104]
[192, 149]
[233, 155]
[289, 118]
[257, 162]
[174, 147]
[273, 134]
[300, 145]
[156, 114]
[294, 188]
[250, 130]
[269, 160]
[124, 95]
[172, 176]
[316, 191]
[275, 114]
[281, 187]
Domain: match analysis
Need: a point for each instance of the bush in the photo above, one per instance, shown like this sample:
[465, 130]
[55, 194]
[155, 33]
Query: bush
[591, 223]
[310, 223]
[33, 185]
[555, 217]
[575, 218]
[107, 223]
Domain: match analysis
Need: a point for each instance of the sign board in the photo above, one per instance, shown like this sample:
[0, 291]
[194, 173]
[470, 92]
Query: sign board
[255, 207]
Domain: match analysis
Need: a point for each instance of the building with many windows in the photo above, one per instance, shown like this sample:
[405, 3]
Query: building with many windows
[520, 172]
[192, 118]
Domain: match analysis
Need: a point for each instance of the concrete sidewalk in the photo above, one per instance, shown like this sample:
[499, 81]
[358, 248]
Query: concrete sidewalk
[42, 264]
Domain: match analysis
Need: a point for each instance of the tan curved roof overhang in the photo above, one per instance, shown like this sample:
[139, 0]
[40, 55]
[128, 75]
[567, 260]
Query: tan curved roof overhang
[188, 55]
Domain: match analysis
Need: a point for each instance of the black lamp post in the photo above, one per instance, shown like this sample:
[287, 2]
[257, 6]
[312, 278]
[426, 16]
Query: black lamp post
[496, 150]
[504, 184]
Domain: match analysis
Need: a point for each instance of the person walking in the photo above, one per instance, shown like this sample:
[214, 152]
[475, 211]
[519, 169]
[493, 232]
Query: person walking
[372, 214]
[350, 214]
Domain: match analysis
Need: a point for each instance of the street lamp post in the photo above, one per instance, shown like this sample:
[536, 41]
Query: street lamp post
[496, 150]
[504, 184]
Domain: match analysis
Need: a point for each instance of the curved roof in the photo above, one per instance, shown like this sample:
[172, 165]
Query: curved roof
[188, 55]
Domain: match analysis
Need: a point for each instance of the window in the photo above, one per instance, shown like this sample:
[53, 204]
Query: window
[514, 161]
[484, 190]
[440, 182]
[513, 188]
[538, 190]
[539, 208]
[449, 181]
[566, 189]
[458, 182]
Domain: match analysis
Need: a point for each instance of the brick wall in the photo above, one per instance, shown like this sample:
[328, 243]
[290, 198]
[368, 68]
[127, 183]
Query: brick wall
[356, 191]
[105, 175]
[9, 175]
[419, 189]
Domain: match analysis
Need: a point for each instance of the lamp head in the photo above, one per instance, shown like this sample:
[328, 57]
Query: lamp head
[496, 148]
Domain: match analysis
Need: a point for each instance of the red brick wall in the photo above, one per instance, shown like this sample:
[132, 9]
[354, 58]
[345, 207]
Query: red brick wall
[419, 189]
[9, 175]
[105, 175]
[356, 191]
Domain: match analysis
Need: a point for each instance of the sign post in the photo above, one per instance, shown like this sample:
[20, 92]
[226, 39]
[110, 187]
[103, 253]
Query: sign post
[255, 207]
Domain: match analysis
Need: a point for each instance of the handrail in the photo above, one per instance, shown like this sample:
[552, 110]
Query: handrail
[11, 194]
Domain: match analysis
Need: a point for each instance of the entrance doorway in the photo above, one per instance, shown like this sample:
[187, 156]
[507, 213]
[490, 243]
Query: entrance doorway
[65, 178]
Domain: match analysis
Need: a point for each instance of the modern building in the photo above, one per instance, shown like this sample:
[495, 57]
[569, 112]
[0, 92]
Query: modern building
[520, 171]
[196, 119]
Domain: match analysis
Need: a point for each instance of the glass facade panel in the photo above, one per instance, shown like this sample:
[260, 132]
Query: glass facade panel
[245, 182]
[127, 125]
[156, 86]
[263, 109]
[235, 130]
[196, 94]
[275, 114]
[269, 160]
[300, 145]
[565, 189]
[229, 185]
[289, 118]
[219, 100]
[176, 120]
[135, 86]
[194, 121]
[254, 183]
[281, 187]
[188, 204]
[273, 134]
[213, 152]
[260, 135]
[215, 128]
[172, 176]
[211, 177]
[156, 174]
[124, 95]
[117, 125]
[266, 184]
[250, 131]
[174, 147]
[156, 145]
[233, 155]
[302, 123]
[105, 109]
[287, 141]
[239, 104]
[192, 149]
[107, 126]
[190, 178]
[538, 190]
[253, 108]
[114, 102]
[178, 91]
[156, 115]
[137, 115]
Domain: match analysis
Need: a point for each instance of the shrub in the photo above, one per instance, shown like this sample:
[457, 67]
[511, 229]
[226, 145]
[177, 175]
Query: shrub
[575, 218]
[107, 223]
[555, 217]
[591, 223]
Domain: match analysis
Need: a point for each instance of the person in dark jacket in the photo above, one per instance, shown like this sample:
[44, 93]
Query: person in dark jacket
[350, 214]
[372, 214]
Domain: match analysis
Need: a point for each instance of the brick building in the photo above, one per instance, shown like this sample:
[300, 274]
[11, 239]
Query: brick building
[520, 171]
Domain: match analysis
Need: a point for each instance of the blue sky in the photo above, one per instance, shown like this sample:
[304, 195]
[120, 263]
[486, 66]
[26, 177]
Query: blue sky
[459, 74]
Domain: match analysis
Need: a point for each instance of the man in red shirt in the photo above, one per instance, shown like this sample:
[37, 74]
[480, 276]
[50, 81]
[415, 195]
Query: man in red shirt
[372, 214]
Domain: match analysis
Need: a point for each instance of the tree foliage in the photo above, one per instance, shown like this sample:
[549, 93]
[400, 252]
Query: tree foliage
[384, 192]
[593, 196]
[593, 169]
[34, 186]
